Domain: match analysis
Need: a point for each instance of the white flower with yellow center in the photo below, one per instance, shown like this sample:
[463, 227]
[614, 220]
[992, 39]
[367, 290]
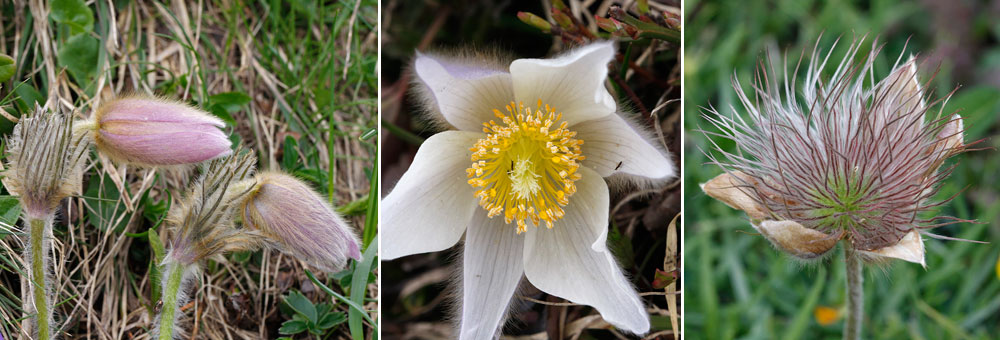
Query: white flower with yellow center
[522, 175]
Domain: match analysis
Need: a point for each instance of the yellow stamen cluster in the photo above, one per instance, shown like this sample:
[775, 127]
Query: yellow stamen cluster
[524, 168]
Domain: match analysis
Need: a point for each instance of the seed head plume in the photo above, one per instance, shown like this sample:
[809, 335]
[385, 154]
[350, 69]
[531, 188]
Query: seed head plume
[846, 157]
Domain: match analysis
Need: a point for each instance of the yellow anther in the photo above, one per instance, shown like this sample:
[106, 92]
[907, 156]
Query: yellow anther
[525, 168]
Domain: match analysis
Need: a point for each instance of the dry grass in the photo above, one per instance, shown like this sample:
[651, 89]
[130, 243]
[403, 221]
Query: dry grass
[307, 77]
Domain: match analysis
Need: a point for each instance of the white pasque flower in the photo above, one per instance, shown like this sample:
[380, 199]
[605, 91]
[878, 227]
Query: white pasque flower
[533, 144]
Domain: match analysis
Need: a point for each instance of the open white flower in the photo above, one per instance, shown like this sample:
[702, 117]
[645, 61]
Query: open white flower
[532, 146]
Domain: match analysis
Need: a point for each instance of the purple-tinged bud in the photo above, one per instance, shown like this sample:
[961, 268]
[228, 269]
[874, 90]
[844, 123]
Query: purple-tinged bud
[300, 222]
[156, 132]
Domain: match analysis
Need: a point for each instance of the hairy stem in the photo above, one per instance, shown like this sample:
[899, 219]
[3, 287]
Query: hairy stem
[172, 297]
[38, 280]
[855, 295]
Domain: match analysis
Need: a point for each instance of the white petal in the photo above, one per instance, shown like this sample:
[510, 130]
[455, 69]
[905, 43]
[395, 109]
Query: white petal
[572, 260]
[432, 203]
[953, 133]
[465, 94]
[904, 86]
[573, 83]
[491, 270]
[909, 248]
[610, 141]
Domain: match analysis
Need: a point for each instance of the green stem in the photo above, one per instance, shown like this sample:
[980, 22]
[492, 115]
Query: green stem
[39, 281]
[855, 295]
[406, 136]
[174, 272]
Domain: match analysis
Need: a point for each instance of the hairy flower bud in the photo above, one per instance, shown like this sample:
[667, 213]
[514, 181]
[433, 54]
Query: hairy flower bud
[298, 221]
[157, 132]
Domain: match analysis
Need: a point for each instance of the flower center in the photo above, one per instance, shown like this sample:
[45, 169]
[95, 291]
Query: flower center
[524, 168]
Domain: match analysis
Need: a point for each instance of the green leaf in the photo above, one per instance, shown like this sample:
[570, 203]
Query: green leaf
[221, 112]
[331, 319]
[79, 56]
[6, 67]
[73, 13]
[302, 305]
[240, 256]
[358, 287]
[621, 247]
[293, 327]
[290, 154]
[223, 105]
[322, 309]
[354, 306]
[10, 210]
[355, 207]
[371, 218]
[152, 210]
[27, 96]
[154, 266]
[231, 101]
[104, 206]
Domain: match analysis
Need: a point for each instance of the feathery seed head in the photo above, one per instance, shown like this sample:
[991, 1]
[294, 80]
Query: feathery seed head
[840, 157]
[45, 162]
[204, 218]
[150, 131]
[297, 220]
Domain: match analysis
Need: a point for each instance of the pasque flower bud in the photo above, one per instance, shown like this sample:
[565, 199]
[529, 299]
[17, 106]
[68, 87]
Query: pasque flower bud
[298, 221]
[45, 159]
[156, 132]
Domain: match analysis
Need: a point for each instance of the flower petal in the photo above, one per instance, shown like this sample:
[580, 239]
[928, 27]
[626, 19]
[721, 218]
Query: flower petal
[162, 143]
[431, 205]
[150, 109]
[904, 87]
[731, 188]
[492, 268]
[909, 248]
[572, 84]
[572, 260]
[611, 145]
[465, 94]
[953, 133]
[792, 238]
